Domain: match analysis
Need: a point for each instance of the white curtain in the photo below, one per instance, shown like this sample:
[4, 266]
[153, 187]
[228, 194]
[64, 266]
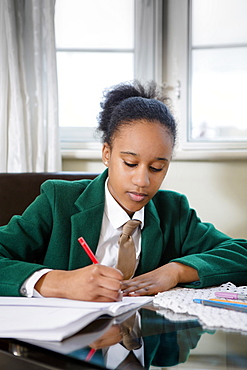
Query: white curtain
[29, 132]
[148, 40]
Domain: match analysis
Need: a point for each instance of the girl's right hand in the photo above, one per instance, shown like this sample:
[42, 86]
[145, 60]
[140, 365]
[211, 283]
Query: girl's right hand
[91, 283]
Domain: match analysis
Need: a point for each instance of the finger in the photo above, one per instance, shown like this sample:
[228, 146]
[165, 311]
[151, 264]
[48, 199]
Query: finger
[106, 295]
[110, 283]
[134, 284]
[129, 283]
[142, 291]
[143, 288]
[111, 272]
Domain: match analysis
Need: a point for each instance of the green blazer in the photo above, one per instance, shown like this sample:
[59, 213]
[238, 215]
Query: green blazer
[47, 232]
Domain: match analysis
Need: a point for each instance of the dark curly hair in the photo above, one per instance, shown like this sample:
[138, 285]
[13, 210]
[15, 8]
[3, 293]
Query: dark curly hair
[126, 102]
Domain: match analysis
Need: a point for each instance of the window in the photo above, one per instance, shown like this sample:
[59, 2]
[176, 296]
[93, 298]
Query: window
[207, 71]
[218, 72]
[101, 43]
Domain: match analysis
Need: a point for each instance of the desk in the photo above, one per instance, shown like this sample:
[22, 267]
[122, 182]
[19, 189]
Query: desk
[166, 344]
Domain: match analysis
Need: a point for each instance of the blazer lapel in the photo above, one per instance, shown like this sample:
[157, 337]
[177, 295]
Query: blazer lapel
[87, 222]
[152, 241]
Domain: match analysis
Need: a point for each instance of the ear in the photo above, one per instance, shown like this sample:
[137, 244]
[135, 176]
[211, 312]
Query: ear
[106, 153]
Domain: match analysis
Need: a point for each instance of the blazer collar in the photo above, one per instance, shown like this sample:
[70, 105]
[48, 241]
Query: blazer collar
[94, 194]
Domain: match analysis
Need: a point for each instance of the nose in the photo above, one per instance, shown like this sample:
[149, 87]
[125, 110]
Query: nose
[141, 177]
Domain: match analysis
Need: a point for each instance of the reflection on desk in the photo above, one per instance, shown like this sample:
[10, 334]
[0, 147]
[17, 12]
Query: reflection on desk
[164, 344]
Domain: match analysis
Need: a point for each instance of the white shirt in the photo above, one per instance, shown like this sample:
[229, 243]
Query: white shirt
[114, 218]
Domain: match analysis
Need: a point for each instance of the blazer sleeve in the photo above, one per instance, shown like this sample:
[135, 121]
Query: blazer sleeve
[217, 257]
[23, 244]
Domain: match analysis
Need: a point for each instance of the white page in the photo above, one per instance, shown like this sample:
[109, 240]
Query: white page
[70, 303]
[55, 319]
[43, 323]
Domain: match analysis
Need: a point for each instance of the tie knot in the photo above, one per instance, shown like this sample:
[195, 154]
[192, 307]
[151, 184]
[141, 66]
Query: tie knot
[130, 226]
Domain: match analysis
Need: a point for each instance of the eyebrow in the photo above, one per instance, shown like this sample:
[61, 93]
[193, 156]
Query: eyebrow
[136, 155]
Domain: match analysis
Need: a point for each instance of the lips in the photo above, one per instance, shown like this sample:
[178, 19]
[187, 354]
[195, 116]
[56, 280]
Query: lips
[137, 197]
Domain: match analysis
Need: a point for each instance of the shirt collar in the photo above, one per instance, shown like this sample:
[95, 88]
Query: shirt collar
[116, 214]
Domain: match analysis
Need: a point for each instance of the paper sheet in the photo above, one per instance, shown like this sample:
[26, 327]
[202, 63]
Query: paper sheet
[180, 301]
[55, 318]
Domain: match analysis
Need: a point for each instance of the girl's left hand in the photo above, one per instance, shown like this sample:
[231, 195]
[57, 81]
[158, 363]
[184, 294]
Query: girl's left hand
[159, 280]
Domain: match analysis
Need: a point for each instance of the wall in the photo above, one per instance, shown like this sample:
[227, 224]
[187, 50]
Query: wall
[217, 190]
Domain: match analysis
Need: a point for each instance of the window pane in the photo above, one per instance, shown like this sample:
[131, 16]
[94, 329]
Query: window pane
[94, 24]
[219, 95]
[219, 22]
[82, 77]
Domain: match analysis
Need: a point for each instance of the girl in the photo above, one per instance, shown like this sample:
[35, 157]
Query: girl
[39, 250]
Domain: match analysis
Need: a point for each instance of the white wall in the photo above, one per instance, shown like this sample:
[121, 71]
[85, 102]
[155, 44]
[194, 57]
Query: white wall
[217, 190]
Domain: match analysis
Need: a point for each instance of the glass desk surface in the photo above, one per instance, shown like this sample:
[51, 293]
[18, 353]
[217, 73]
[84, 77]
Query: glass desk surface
[163, 344]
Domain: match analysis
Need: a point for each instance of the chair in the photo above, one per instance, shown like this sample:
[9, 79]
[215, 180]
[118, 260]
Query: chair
[18, 190]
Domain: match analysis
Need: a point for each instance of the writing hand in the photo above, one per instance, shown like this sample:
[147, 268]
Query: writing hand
[92, 283]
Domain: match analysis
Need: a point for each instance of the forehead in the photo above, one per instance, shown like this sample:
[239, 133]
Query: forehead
[142, 136]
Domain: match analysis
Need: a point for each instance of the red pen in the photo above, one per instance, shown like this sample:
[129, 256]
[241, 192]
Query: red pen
[87, 249]
[90, 354]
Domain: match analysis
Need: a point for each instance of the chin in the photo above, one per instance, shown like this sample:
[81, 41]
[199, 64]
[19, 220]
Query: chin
[132, 208]
[131, 211]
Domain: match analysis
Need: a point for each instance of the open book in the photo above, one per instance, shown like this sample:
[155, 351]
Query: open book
[53, 319]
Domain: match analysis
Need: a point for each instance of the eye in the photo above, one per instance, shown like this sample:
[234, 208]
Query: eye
[130, 164]
[154, 169]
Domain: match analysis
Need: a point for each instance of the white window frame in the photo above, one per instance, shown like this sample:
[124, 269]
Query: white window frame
[148, 53]
[177, 78]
